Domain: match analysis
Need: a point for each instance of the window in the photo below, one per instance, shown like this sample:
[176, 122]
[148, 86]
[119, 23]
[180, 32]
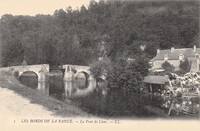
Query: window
[166, 57]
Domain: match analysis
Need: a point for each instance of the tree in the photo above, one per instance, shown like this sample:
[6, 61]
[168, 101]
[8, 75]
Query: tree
[185, 66]
[167, 66]
[127, 77]
[101, 68]
[50, 38]
[12, 53]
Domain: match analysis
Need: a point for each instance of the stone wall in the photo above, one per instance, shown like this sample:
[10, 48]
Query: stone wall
[77, 67]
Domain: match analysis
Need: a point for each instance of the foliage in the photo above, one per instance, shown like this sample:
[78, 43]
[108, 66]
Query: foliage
[100, 68]
[122, 74]
[72, 36]
[128, 76]
[185, 66]
[167, 66]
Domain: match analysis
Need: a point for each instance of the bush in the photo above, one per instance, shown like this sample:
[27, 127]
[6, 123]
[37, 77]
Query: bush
[122, 74]
[128, 77]
[100, 68]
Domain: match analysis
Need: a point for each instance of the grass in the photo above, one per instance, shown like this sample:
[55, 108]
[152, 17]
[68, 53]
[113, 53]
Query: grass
[64, 109]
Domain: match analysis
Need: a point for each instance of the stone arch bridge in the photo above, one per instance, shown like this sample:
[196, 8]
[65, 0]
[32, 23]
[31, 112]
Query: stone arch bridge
[79, 69]
[41, 70]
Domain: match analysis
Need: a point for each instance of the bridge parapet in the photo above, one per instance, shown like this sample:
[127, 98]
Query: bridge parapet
[78, 68]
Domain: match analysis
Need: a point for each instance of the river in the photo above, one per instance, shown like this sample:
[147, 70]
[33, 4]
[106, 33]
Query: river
[96, 101]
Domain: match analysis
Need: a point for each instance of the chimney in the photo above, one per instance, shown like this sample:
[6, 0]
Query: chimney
[158, 50]
[194, 48]
[172, 49]
[142, 47]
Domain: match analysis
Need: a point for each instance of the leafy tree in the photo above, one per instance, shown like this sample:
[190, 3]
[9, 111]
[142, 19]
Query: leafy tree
[185, 66]
[50, 38]
[127, 76]
[167, 66]
[101, 68]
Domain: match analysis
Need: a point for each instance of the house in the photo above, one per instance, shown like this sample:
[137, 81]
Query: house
[175, 56]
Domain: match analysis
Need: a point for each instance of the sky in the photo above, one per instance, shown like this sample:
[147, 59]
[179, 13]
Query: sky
[33, 7]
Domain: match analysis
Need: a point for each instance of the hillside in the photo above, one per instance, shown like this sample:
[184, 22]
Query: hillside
[75, 36]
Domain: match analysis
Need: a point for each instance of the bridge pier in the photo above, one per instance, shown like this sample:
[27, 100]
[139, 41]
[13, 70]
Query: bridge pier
[79, 69]
[91, 78]
[42, 76]
[68, 76]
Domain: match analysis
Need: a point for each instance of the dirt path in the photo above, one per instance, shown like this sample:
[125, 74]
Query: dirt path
[18, 106]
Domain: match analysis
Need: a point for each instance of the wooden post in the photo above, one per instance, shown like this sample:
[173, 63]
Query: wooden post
[171, 87]
[180, 109]
[198, 91]
[171, 107]
[151, 88]
[181, 86]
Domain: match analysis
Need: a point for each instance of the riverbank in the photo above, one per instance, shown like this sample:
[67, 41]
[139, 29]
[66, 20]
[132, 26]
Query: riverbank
[23, 100]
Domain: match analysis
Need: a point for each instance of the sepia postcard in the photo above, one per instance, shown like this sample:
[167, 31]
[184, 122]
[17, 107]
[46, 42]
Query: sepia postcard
[99, 65]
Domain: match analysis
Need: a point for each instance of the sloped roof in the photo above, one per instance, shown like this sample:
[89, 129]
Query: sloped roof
[187, 52]
[156, 79]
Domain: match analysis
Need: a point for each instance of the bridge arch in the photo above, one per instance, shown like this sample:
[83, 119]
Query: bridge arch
[86, 74]
[41, 70]
[40, 75]
[24, 79]
[81, 84]
[24, 72]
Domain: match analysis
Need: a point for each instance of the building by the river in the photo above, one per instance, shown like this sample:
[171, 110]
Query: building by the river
[175, 56]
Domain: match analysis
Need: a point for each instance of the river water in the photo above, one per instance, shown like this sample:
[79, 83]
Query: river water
[96, 101]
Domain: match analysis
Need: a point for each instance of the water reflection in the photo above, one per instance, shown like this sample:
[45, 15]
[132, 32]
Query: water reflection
[78, 88]
[69, 90]
[29, 79]
[56, 88]
[43, 87]
[115, 103]
[177, 106]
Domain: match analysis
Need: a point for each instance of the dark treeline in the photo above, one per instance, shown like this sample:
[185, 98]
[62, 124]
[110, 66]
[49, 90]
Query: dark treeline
[73, 36]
